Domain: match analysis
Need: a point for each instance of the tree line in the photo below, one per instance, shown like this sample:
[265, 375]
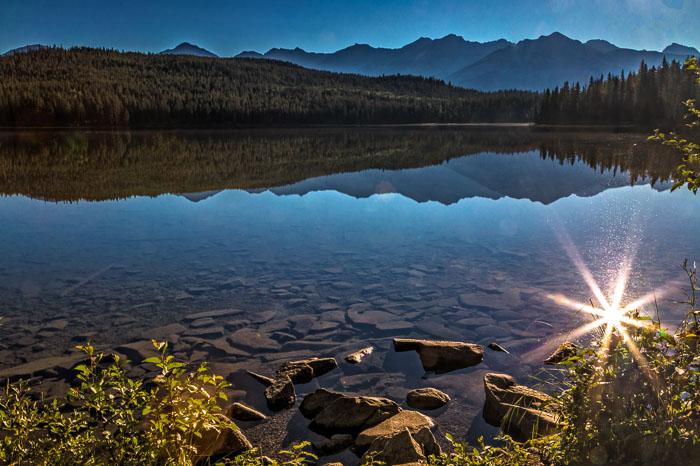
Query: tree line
[99, 87]
[648, 97]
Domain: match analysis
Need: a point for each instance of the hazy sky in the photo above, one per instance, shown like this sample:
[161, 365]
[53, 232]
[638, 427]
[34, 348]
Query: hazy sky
[229, 27]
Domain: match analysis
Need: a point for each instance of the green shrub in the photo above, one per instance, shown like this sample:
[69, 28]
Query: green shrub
[637, 400]
[112, 419]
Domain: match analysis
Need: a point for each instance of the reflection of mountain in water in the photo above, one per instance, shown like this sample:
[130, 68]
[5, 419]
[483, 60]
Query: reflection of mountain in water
[457, 162]
[519, 176]
[196, 197]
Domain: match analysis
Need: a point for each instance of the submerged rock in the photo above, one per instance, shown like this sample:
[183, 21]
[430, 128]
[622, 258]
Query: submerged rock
[357, 356]
[497, 347]
[519, 411]
[565, 351]
[55, 366]
[353, 414]
[253, 340]
[426, 398]
[267, 381]
[280, 395]
[442, 356]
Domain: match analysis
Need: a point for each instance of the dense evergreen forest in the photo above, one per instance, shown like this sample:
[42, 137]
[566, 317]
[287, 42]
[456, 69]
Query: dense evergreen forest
[650, 97]
[96, 87]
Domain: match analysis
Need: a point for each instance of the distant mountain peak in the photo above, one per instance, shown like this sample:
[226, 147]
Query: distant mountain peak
[556, 35]
[185, 48]
[25, 49]
[679, 49]
[249, 54]
[601, 45]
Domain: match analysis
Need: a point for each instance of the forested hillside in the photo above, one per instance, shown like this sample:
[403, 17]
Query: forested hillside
[650, 97]
[95, 87]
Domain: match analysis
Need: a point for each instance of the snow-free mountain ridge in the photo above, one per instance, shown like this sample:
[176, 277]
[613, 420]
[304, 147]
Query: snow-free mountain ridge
[531, 64]
[186, 48]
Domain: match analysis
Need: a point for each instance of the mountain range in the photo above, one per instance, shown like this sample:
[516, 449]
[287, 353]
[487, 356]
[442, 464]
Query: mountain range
[531, 64]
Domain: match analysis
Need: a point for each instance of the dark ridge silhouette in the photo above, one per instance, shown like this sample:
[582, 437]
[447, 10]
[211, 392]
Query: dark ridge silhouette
[437, 58]
[25, 49]
[550, 61]
[531, 64]
[186, 48]
[678, 49]
[601, 45]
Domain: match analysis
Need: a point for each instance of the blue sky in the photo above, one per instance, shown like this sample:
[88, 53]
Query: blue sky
[228, 27]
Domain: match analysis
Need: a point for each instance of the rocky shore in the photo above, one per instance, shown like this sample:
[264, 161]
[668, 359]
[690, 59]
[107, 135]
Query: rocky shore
[351, 426]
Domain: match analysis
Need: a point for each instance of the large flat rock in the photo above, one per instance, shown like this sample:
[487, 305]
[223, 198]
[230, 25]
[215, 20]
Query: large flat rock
[353, 414]
[442, 356]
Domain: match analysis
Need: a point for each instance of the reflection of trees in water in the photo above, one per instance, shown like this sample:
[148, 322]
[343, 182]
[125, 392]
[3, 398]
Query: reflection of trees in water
[98, 166]
[618, 153]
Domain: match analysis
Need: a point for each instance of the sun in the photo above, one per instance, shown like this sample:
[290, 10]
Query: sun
[609, 313]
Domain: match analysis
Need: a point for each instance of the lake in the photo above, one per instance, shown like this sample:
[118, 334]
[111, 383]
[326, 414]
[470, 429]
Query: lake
[328, 241]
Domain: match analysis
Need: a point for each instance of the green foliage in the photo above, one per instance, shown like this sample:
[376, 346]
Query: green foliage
[92, 87]
[513, 453]
[297, 455]
[637, 399]
[688, 173]
[111, 419]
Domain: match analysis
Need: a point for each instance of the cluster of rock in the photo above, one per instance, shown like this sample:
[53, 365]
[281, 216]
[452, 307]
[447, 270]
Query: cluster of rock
[371, 426]
[377, 428]
[280, 393]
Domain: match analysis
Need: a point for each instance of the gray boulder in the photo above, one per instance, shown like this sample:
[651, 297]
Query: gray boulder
[298, 371]
[426, 398]
[218, 443]
[521, 412]
[356, 357]
[412, 421]
[304, 371]
[401, 449]
[241, 412]
[280, 395]
[353, 414]
[442, 356]
[317, 401]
